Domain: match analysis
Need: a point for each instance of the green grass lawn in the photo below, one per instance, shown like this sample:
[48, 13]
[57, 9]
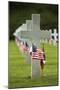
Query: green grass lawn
[20, 72]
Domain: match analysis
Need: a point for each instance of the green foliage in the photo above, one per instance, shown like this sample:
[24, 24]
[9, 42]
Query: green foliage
[20, 12]
[19, 71]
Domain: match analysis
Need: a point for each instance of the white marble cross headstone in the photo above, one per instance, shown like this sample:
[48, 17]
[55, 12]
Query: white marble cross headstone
[34, 36]
[55, 34]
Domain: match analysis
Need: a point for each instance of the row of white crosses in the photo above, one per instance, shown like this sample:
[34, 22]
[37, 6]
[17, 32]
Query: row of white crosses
[54, 38]
[34, 35]
[24, 27]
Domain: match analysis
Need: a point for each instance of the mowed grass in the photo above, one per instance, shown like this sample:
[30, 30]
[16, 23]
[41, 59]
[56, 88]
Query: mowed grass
[20, 72]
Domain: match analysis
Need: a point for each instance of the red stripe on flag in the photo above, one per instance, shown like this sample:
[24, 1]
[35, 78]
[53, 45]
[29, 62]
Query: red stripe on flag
[37, 55]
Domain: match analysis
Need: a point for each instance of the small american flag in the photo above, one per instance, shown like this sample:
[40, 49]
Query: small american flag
[38, 55]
